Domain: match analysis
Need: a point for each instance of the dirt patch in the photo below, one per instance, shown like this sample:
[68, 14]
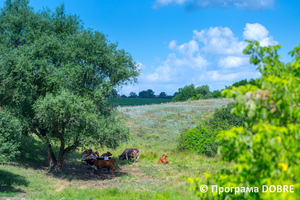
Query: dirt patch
[20, 196]
[85, 173]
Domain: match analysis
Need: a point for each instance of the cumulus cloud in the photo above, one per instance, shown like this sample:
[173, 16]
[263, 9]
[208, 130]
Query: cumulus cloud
[189, 48]
[259, 33]
[233, 61]
[176, 69]
[219, 40]
[202, 4]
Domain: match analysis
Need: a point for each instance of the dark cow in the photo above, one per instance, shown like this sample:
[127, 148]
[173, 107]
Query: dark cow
[130, 153]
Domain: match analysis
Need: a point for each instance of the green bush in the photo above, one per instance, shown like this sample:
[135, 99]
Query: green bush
[202, 138]
[10, 129]
[224, 114]
[199, 139]
[267, 152]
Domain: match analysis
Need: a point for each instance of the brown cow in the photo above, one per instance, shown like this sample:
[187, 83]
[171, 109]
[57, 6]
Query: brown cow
[163, 160]
[105, 164]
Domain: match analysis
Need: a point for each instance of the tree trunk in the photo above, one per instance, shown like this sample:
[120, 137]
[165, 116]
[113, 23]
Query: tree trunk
[51, 157]
[56, 164]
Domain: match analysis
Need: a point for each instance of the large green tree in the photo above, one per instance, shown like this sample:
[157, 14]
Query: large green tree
[54, 76]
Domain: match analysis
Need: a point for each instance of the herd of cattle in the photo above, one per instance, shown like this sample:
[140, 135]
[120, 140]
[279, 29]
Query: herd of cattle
[105, 161]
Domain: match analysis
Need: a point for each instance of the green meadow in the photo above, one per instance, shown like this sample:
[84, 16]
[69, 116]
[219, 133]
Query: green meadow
[154, 130]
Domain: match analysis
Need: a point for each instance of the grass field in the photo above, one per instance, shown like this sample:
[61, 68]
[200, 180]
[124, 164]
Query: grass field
[137, 101]
[154, 131]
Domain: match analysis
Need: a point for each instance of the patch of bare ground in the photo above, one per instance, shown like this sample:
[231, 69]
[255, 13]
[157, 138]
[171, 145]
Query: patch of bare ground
[85, 173]
[19, 197]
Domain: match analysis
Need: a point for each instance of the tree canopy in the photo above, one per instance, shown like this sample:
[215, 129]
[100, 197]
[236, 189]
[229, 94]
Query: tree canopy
[132, 95]
[147, 94]
[55, 74]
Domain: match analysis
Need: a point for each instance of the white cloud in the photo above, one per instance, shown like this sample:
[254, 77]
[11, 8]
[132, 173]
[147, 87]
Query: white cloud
[202, 4]
[186, 49]
[174, 69]
[189, 48]
[218, 76]
[219, 40]
[259, 33]
[172, 44]
[161, 3]
[141, 67]
[233, 62]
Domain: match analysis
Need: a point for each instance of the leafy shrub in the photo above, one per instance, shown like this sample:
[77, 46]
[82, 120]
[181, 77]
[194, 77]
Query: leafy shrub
[199, 139]
[10, 129]
[244, 82]
[202, 138]
[185, 93]
[224, 114]
[267, 153]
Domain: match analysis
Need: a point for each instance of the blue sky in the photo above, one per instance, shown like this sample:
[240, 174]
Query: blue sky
[179, 42]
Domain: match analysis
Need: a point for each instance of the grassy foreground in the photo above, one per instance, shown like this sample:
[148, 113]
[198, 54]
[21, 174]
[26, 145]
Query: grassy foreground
[154, 131]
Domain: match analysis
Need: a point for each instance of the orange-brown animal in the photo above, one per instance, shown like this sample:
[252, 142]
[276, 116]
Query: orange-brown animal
[105, 164]
[163, 159]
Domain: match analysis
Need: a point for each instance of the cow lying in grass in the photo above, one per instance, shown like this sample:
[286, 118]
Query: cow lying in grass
[130, 153]
[163, 160]
[106, 154]
[89, 155]
[104, 164]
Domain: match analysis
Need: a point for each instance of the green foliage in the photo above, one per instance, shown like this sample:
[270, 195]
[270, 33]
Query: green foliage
[162, 95]
[198, 139]
[216, 94]
[202, 92]
[190, 92]
[132, 95]
[68, 117]
[266, 152]
[44, 53]
[243, 82]
[147, 94]
[10, 129]
[224, 114]
[202, 138]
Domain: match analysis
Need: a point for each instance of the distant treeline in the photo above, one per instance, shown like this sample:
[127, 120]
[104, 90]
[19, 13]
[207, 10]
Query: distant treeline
[203, 92]
[183, 94]
[145, 94]
[137, 101]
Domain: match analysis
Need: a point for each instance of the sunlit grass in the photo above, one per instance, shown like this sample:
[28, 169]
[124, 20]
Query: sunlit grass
[142, 180]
